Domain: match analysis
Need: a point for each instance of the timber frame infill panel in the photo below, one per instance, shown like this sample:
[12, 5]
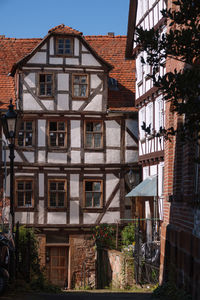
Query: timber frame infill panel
[57, 191]
[81, 74]
[101, 132]
[45, 73]
[92, 207]
[57, 132]
[25, 179]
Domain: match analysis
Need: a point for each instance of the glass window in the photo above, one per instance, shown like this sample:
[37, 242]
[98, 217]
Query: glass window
[46, 85]
[25, 134]
[80, 86]
[64, 46]
[93, 193]
[93, 135]
[57, 193]
[57, 134]
[24, 193]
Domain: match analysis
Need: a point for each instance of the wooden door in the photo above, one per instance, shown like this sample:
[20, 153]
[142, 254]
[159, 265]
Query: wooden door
[57, 265]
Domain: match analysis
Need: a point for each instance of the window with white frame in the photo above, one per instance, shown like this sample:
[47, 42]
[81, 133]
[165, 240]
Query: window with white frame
[149, 116]
[160, 114]
[141, 120]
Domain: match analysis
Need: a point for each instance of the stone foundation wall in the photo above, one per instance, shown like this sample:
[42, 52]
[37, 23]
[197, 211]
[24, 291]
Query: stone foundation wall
[82, 261]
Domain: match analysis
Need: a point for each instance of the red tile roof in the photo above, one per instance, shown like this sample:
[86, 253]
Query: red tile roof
[110, 48]
[62, 29]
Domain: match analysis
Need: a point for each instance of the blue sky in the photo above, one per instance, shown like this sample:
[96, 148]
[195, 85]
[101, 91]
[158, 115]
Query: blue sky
[33, 18]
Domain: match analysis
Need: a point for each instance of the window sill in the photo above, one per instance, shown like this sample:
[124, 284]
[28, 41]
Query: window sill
[93, 149]
[30, 209]
[92, 209]
[46, 97]
[79, 98]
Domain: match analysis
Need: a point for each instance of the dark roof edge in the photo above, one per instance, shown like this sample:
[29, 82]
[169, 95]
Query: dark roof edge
[131, 28]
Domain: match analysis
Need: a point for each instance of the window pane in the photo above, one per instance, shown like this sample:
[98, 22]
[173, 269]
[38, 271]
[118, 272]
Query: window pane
[42, 89]
[28, 125]
[88, 185]
[97, 140]
[20, 199]
[89, 140]
[28, 141]
[49, 77]
[49, 89]
[89, 126]
[83, 90]
[76, 79]
[97, 199]
[61, 126]
[20, 186]
[52, 186]
[83, 79]
[53, 126]
[42, 77]
[21, 139]
[96, 186]
[76, 90]
[60, 51]
[61, 186]
[53, 199]
[28, 186]
[97, 126]
[28, 199]
[61, 199]
[61, 139]
[88, 200]
[52, 139]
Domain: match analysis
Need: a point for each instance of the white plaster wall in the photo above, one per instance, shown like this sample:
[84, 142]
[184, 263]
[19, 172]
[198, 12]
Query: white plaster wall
[41, 133]
[76, 47]
[115, 202]
[24, 217]
[59, 158]
[41, 212]
[145, 172]
[63, 102]
[56, 218]
[72, 61]
[41, 156]
[95, 158]
[75, 157]
[90, 218]
[56, 60]
[153, 170]
[129, 141]
[75, 133]
[74, 185]
[112, 156]
[51, 46]
[74, 212]
[49, 104]
[41, 185]
[38, 58]
[84, 49]
[111, 217]
[111, 182]
[95, 81]
[89, 60]
[30, 156]
[17, 157]
[29, 103]
[63, 82]
[95, 104]
[44, 47]
[30, 80]
[77, 104]
[113, 134]
[131, 156]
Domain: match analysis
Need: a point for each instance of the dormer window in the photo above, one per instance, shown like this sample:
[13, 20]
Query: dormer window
[64, 46]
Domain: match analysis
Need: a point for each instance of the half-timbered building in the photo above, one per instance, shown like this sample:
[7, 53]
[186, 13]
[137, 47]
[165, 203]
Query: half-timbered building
[149, 101]
[76, 143]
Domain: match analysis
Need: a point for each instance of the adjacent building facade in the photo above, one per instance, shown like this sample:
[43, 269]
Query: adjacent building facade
[76, 143]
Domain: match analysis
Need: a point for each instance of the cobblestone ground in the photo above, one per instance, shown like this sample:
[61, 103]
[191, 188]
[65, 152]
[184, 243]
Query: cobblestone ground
[81, 296]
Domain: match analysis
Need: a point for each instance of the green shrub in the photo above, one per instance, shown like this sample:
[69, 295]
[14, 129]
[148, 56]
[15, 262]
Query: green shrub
[128, 234]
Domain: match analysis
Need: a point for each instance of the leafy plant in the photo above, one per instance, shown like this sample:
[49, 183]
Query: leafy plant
[104, 235]
[128, 234]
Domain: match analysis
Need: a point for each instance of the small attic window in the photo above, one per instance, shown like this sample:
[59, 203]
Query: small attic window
[64, 46]
[113, 84]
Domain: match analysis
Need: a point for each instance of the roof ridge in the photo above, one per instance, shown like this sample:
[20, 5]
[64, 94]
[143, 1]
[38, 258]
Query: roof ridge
[106, 36]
